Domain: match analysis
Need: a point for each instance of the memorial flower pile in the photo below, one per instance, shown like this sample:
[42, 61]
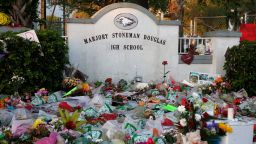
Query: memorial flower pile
[122, 112]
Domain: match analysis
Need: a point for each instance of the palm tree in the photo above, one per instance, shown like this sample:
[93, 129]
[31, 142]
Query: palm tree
[22, 12]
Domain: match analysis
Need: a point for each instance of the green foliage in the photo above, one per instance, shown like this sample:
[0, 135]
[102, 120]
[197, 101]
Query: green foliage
[41, 65]
[92, 6]
[159, 4]
[5, 5]
[240, 66]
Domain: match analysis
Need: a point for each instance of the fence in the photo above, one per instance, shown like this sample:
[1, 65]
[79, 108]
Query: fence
[203, 46]
[251, 19]
[55, 23]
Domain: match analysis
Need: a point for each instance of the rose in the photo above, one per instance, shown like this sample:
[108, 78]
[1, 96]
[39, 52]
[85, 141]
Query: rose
[183, 122]
[197, 117]
[205, 100]
[108, 80]
[237, 101]
[78, 107]
[181, 109]
[205, 115]
[164, 63]
[70, 125]
[66, 106]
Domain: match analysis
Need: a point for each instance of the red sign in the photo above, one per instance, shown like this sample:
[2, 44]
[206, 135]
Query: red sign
[248, 32]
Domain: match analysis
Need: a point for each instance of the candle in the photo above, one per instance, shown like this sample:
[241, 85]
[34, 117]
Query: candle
[230, 113]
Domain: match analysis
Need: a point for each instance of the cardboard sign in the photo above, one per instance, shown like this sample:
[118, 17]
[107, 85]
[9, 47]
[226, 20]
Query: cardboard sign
[30, 35]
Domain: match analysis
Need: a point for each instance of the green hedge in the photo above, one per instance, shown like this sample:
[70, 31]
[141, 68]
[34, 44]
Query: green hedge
[240, 66]
[41, 65]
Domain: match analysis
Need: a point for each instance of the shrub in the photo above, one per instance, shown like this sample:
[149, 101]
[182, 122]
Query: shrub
[41, 65]
[240, 66]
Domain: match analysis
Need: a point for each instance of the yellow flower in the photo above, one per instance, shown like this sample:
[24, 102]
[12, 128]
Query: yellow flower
[225, 127]
[37, 122]
[229, 129]
[221, 125]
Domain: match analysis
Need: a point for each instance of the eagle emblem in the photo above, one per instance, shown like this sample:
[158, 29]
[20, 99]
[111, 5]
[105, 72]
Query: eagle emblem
[125, 21]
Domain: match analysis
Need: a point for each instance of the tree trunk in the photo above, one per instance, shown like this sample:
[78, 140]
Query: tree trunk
[181, 14]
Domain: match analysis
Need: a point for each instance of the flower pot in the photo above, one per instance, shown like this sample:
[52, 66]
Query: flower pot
[214, 140]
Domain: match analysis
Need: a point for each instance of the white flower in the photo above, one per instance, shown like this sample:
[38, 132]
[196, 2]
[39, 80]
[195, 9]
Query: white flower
[181, 109]
[183, 122]
[197, 117]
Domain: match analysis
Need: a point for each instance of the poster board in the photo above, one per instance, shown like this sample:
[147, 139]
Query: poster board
[202, 78]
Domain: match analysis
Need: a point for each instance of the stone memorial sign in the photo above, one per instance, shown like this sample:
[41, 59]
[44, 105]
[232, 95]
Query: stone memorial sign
[122, 41]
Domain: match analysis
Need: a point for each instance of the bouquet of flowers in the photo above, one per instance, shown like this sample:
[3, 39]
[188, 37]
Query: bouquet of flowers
[68, 83]
[221, 85]
[189, 119]
[212, 131]
[196, 125]
[16, 82]
[70, 121]
[42, 92]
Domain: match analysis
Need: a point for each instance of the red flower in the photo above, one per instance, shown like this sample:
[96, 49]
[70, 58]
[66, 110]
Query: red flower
[173, 82]
[70, 125]
[177, 88]
[28, 106]
[109, 116]
[191, 124]
[78, 107]
[66, 106]
[164, 63]
[237, 101]
[108, 88]
[205, 100]
[150, 141]
[167, 122]
[184, 101]
[205, 115]
[108, 80]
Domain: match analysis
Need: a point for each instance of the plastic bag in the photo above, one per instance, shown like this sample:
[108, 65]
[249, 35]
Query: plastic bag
[151, 124]
[19, 127]
[55, 97]
[5, 117]
[21, 114]
[97, 101]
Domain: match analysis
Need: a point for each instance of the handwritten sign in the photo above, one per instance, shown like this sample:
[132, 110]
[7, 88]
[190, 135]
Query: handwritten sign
[29, 35]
